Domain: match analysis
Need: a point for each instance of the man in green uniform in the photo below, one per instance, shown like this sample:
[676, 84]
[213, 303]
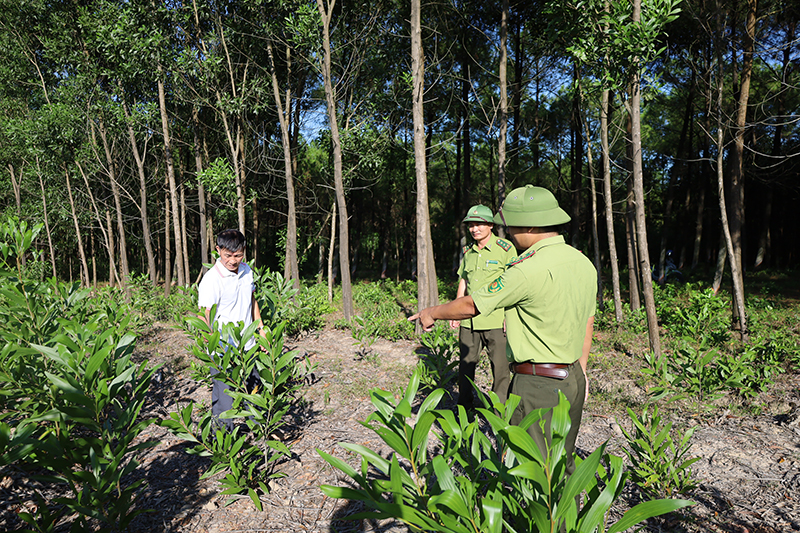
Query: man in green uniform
[483, 262]
[548, 294]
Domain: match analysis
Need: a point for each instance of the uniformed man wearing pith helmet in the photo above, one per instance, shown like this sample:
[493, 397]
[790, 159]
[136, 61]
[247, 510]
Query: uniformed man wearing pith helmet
[483, 262]
[548, 294]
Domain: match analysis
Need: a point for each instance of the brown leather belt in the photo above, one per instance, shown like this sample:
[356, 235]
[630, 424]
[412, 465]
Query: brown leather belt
[548, 370]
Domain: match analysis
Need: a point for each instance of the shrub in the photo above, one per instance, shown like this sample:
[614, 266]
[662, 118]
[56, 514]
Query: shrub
[70, 396]
[247, 458]
[660, 465]
[439, 368]
[480, 482]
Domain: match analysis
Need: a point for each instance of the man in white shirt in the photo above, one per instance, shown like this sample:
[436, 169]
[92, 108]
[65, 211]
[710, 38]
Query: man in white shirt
[228, 285]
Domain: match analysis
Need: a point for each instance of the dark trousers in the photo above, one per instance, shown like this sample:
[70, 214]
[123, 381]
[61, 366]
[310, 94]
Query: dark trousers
[537, 392]
[221, 401]
[472, 342]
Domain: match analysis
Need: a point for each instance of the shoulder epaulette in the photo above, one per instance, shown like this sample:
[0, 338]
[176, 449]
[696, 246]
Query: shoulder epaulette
[523, 257]
[505, 245]
[465, 249]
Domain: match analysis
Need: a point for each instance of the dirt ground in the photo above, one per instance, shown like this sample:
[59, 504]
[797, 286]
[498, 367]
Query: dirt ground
[749, 471]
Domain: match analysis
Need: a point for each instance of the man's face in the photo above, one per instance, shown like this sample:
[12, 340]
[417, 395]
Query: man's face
[230, 260]
[480, 230]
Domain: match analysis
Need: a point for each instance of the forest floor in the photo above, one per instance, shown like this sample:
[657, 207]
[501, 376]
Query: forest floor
[748, 472]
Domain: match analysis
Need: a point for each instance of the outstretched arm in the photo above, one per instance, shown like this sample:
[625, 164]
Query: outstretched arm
[458, 309]
[462, 291]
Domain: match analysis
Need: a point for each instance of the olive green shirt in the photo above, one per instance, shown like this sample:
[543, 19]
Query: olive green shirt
[548, 294]
[479, 268]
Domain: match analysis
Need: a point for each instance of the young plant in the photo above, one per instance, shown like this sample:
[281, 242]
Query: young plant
[362, 337]
[73, 394]
[481, 482]
[661, 465]
[439, 367]
[247, 457]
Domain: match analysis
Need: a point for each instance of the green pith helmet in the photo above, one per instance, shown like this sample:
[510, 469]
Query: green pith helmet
[531, 207]
[479, 213]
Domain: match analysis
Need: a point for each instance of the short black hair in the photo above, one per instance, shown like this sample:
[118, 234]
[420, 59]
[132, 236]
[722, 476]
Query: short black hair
[231, 240]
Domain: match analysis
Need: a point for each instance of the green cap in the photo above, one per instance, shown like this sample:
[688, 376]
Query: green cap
[531, 207]
[479, 213]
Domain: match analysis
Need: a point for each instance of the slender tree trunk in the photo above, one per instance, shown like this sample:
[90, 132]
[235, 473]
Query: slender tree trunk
[113, 276]
[427, 287]
[201, 191]
[738, 289]
[466, 136]
[111, 170]
[698, 223]
[94, 259]
[148, 244]
[108, 238]
[595, 236]
[16, 186]
[638, 192]
[330, 252]
[633, 248]
[501, 144]
[344, 238]
[517, 95]
[167, 246]
[173, 189]
[291, 269]
[609, 206]
[737, 213]
[46, 221]
[184, 243]
[576, 168]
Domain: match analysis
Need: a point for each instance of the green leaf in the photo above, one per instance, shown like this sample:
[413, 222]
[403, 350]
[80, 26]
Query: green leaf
[646, 510]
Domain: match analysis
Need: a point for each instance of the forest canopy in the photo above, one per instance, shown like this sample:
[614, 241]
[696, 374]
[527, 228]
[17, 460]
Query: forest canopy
[135, 130]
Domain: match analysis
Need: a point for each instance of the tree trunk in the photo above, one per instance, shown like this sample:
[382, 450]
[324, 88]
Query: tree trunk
[148, 244]
[609, 206]
[201, 192]
[638, 192]
[501, 143]
[167, 247]
[184, 243]
[736, 212]
[46, 221]
[111, 170]
[738, 289]
[466, 136]
[330, 252]
[108, 238]
[630, 239]
[113, 276]
[517, 96]
[427, 287]
[595, 236]
[330, 97]
[173, 189]
[291, 269]
[576, 167]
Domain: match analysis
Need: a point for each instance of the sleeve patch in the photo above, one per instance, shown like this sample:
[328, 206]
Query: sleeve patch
[496, 286]
[505, 245]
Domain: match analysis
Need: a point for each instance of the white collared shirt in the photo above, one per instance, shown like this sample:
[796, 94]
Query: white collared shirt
[232, 292]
